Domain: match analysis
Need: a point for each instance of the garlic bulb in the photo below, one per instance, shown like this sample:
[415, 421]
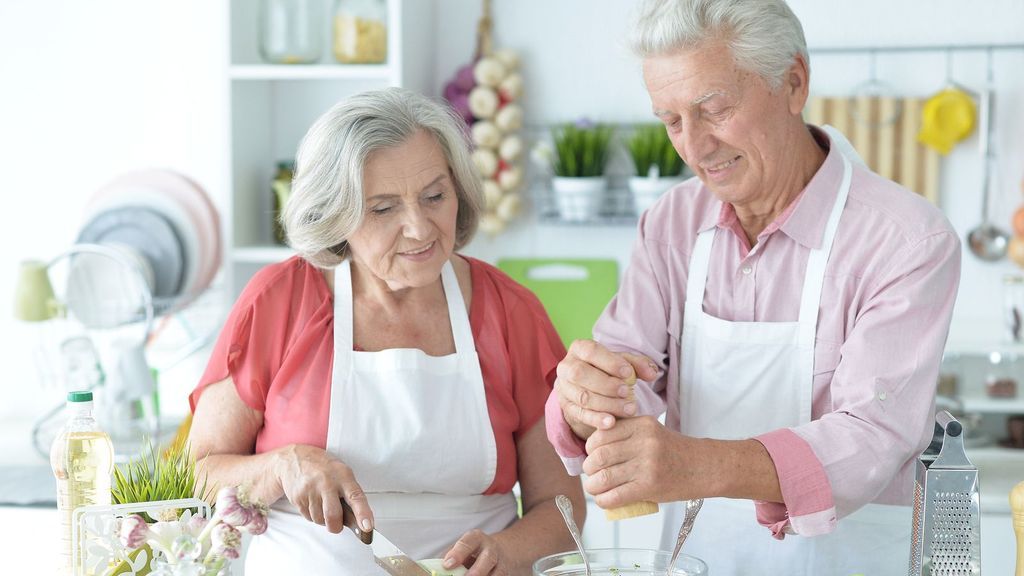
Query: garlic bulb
[489, 72]
[510, 206]
[511, 88]
[486, 162]
[508, 58]
[492, 224]
[509, 118]
[511, 149]
[483, 102]
[486, 134]
[510, 178]
[492, 194]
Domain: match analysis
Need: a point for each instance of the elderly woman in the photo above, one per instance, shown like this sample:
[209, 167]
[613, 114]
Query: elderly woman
[787, 306]
[380, 367]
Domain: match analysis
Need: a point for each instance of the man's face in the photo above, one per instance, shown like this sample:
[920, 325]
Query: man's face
[725, 122]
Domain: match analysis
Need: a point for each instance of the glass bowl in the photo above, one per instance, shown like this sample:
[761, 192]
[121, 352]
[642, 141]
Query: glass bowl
[618, 562]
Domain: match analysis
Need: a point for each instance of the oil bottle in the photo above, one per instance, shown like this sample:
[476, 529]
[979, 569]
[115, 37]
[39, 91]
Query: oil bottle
[82, 459]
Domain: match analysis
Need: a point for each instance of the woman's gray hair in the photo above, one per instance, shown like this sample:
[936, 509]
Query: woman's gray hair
[326, 202]
[764, 35]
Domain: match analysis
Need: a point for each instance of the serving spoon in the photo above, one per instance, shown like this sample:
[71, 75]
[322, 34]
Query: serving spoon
[692, 507]
[565, 507]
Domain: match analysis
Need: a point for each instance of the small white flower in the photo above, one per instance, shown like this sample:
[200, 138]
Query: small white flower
[483, 102]
[489, 72]
[133, 531]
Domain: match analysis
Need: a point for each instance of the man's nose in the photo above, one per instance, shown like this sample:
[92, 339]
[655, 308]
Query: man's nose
[695, 142]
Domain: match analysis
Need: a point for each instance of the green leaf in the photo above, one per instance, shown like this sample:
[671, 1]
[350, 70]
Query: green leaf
[650, 146]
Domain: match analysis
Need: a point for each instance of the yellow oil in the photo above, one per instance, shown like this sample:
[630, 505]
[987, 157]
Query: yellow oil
[82, 462]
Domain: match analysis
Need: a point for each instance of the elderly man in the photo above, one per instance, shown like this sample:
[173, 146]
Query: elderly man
[788, 308]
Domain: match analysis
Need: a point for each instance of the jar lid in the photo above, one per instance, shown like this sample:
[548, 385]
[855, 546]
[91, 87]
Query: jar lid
[80, 396]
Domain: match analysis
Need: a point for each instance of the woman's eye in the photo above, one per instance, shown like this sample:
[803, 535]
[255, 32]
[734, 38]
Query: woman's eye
[436, 197]
[380, 210]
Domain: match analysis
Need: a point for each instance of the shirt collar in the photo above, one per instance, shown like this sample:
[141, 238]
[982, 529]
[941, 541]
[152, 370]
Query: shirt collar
[805, 218]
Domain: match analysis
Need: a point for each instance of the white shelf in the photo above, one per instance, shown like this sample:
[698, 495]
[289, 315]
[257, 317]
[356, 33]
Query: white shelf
[993, 405]
[261, 254]
[309, 72]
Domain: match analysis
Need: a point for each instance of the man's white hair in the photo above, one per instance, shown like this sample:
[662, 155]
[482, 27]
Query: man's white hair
[764, 35]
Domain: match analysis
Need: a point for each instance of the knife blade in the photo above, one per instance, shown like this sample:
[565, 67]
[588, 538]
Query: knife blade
[385, 553]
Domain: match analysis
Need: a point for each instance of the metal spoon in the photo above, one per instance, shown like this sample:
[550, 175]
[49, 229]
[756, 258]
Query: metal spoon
[565, 507]
[987, 241]
[692, 507]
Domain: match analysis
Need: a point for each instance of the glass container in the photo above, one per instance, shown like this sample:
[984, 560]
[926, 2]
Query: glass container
[1013, 307]
[290, 31]
[361, 31]
[281, 189]
[618, 562]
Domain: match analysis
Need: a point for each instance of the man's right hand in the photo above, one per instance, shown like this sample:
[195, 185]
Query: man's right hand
[593, 385]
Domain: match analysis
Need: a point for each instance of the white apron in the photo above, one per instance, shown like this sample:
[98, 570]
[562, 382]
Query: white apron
[741, 379]
[415, 430]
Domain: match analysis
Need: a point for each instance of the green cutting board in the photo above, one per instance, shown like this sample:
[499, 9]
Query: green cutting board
[573, 291]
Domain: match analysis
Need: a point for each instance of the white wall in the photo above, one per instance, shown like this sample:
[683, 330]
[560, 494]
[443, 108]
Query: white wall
[89, 90]
[576, 65]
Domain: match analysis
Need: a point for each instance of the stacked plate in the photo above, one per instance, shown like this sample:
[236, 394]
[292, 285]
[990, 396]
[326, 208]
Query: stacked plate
[166, 223]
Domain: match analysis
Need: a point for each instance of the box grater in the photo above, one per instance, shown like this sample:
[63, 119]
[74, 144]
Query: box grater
[946, 538]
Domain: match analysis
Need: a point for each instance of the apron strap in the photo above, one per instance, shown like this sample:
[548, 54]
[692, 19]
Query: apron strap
[697, 277]
[343, 340]
[462, 332]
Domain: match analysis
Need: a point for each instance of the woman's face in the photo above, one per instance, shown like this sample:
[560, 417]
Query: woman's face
[410, 208]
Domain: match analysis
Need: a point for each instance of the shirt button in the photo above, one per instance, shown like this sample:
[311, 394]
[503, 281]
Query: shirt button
[881, 395]
[747, 270]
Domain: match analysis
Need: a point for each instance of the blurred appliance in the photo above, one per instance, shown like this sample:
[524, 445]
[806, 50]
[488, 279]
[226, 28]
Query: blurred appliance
[148, 246]
[946, 537]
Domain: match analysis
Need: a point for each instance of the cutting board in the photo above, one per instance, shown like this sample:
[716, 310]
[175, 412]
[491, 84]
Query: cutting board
[884, 130]
[573, 291]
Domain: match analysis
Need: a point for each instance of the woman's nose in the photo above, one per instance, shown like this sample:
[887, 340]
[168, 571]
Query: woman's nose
[416, 224]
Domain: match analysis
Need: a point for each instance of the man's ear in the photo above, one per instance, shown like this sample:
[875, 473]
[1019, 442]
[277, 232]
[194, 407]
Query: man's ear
[796, 84]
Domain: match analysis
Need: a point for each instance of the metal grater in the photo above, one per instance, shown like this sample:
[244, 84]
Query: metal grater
[946, 538]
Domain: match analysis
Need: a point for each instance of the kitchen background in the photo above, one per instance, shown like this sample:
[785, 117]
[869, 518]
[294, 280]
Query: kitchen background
[91, 90]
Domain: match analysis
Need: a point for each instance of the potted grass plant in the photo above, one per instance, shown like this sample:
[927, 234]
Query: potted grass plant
[658, 166]
[581, 151]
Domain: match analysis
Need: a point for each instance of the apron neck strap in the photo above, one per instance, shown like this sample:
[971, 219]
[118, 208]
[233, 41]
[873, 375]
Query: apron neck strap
[462, 333]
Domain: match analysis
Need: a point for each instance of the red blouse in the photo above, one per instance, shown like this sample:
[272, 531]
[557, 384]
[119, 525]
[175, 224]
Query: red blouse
[278, 347]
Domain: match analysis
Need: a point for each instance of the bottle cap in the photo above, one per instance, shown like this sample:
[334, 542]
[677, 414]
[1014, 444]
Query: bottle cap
[80, 396]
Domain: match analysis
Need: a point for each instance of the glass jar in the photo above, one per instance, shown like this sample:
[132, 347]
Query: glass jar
[361, 31]
[281, 189]
[290, 31]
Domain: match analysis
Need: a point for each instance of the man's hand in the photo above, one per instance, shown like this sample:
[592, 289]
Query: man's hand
[593, 385]
[640, 459]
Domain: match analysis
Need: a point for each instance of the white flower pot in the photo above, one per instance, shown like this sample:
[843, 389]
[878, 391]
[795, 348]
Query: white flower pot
[646, 191]
[579, 199]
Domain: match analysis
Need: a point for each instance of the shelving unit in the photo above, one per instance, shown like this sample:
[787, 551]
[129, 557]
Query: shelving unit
[271, 107]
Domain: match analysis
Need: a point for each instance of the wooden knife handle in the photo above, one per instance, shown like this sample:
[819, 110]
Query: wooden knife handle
[1017, 513]
[352, 523]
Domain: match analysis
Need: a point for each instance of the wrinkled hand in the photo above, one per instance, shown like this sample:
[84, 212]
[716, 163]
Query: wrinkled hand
[315, 482]
[592, 385]
[479, 552]
[640, 459]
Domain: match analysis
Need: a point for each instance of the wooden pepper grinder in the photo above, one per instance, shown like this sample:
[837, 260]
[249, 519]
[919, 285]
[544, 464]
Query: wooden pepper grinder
[1017, 510]
[635, 509]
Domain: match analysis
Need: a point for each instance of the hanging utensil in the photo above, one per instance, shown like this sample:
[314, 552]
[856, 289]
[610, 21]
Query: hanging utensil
[987, 241]
[692, 507]
[565, 507]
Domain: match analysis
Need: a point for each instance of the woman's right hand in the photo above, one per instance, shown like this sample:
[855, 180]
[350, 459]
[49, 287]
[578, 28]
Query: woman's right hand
[315, 482]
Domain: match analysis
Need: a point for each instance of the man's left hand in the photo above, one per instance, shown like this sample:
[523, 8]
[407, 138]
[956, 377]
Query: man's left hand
[640, 459]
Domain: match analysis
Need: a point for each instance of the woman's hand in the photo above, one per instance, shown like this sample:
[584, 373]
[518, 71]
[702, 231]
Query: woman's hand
[315, 482]
[479, 552]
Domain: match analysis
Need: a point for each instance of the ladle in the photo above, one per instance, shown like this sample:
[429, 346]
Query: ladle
[987, 241]
[565, 507]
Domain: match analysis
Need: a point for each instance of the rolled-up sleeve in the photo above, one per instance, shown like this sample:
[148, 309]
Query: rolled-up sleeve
[882, 395]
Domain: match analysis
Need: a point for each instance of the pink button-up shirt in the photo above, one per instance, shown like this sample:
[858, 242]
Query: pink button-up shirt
[886, 304]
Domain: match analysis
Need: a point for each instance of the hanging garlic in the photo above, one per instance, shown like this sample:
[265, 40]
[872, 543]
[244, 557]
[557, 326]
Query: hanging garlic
[486, 134]
[511, 148]
[492, 194]
[510, 178]
[491, 224]
[511, 88]
[489, 72]
[509, 207]
[486, 162]
[508, 58]
[483, 102]
[509, 118]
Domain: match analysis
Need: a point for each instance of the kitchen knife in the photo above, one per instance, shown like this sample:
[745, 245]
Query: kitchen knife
[385, 553]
